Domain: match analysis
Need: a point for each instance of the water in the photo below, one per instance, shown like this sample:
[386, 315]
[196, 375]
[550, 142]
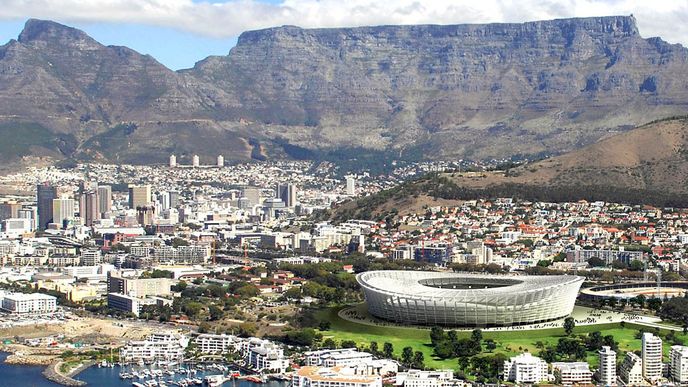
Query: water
[19, 375]
[31, 376]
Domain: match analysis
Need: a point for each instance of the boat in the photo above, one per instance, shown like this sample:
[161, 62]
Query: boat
[214, 380]
[137, 384]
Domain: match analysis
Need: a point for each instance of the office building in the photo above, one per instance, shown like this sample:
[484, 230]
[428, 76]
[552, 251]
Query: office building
[651, 356]
[91, 257]
[631, 369]
[195, 161]
[127, 303]
[9, 209]
[350, 185]
[220, 161]
[63, 211]
[21, 303]
[45, 194]
[572, 373]
[89, 207]
[173, 161]
[678, 364]
[252, 194]
[138, 287]
[607, 367]
[287, 192]
[104, 199]
[139, 196]
[16, 227]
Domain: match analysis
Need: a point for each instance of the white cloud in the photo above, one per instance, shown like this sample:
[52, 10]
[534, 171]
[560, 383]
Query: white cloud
[665, 18]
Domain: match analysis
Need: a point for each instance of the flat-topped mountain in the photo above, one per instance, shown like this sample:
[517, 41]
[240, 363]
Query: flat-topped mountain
[425, 91]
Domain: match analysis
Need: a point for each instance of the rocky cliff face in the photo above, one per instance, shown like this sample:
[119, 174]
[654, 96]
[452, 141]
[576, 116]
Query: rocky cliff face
[472, 91]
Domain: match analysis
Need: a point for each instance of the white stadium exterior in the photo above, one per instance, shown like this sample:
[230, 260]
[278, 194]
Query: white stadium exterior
[467, 300]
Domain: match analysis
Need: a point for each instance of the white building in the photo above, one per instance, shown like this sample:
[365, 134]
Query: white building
[173, 161]
[220, 161]
[195, 161]
[607, 366]
[631, 369]
[573, 372]
[264, 355]
[337, 357]
[218, 344]
[128, 303]
[91, 257]
[652, 356]
[159, 346]
[418, 378]
[678, 366]
[350, 185]
[525, 368]
[310, 376]
[21, 303]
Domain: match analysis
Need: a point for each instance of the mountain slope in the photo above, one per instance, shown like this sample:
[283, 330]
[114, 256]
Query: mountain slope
[374, 93]
[647, 165]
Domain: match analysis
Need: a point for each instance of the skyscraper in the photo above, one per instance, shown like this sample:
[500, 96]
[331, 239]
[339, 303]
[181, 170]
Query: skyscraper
[88, 207]
[139, 196]
[44, 201]
[63, 210]
[287, 192]
[195, 161]
[173, 161]
[678, 367]
[652, 356]
[350, 185]
[104, 199]
[607, 366]
[220, 161]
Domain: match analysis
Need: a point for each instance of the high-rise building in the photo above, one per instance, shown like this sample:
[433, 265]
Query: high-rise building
[652, 356]
[173, 161]
[678, 366]
[253, 195]
[89, 207]
[174, 199]
[63, 210]
[104, 199]
[9, 210]
[139, 196]
[145, 215]
[195, 161]
[607, 366]
[287, 192]
[631, 369]
[525, 368]
[44, 201]
[350, 185]
[220, 161]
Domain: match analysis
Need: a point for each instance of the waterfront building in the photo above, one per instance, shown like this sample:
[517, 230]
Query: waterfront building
[218, 344]
[652, 356]
[157, 347]
[311, 376]
[572, 373]
[607, 368]
[264, 355]
[678, 366]
[631, 369]
[419, 378]
[337, 357]
[525, 368]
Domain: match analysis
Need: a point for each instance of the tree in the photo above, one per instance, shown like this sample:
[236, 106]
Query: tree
[436, 335]
[636, 265]
[348, 344]
[569, 324]
[329, 343]
[490, 345]
[654, 303]
[373, 348]
[444, 349]
[324, 325]
[596, 262]
[419, 360]
[407, 355]
[388, 350]
[477, 335]
[215, 312]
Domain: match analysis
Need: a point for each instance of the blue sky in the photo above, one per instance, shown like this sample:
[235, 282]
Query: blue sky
[179, 33]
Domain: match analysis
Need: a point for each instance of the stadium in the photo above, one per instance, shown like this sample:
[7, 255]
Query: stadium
[630, 290]
[467, 300]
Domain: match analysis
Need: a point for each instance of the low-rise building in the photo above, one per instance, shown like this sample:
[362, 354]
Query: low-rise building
[572, 373]
[419, 378]
[36, 303]
[218, 344]
[311, 376]
[336, 357]
[525, 368]
[157, 347]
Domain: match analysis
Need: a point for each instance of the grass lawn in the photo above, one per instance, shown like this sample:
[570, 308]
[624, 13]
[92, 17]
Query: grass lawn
[509, 343]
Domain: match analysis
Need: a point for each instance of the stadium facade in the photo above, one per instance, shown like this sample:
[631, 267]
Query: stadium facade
[467, 300]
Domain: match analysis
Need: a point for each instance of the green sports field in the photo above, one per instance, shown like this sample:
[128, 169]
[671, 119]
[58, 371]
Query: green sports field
[509, 343]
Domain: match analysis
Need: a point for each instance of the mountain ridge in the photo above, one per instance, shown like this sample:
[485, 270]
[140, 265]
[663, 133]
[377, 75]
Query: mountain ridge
[474, 91]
